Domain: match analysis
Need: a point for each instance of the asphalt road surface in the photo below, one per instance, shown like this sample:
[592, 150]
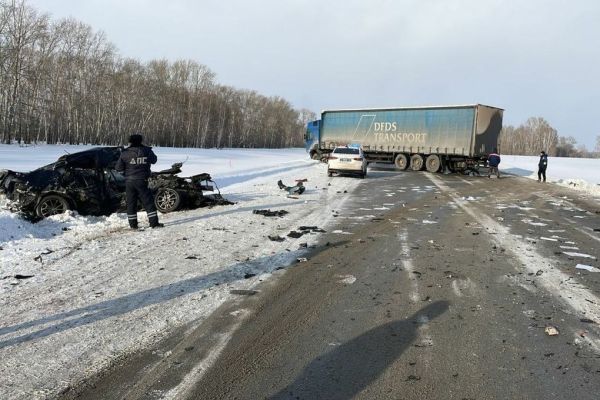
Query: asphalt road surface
[429, 287]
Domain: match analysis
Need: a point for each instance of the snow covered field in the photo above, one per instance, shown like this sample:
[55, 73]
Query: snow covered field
[98, 291]
[577, 173]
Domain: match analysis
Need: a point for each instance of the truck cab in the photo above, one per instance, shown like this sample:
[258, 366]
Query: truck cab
[311, 139]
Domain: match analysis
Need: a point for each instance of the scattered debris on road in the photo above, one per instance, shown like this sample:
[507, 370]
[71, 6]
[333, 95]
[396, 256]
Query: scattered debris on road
[299, 188]
[276, 238]
[302, 259]
[269, 213]
[314, 229]
[244, 292]
[20, 276]
[551, 331]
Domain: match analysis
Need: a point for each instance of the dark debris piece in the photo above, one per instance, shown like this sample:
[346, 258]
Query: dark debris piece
[295, 234]
[19, 276]
[315, 229]
[249, 275]
[244, 292]
[269, 213]
[276, 238]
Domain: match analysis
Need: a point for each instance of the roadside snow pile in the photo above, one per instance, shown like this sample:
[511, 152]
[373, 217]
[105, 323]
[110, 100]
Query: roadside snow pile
[80, 292]
[575, 173]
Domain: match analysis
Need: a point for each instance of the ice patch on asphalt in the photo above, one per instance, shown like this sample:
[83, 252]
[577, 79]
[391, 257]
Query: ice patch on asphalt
[347, 279]
[581, 255]
[587, 268]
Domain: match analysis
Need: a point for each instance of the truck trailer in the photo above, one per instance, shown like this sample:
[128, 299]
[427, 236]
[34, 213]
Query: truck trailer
[436, 138]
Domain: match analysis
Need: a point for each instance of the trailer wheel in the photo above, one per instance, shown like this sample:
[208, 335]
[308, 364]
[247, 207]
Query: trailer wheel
[401, 162]
[433, 163]
[416, 162]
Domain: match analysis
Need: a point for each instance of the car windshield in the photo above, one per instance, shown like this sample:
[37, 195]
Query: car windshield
[346, 150]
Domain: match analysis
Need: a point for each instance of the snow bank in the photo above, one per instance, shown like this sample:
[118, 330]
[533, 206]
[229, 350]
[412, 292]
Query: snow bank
[576, 173]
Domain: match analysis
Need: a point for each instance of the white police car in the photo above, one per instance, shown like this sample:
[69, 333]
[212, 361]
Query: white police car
[347, 160]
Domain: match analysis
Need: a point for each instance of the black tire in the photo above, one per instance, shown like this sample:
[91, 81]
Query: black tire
[416, 162]
[167, 200]
[433, 163]
[52, 205]
[401, 162]
[329, 173]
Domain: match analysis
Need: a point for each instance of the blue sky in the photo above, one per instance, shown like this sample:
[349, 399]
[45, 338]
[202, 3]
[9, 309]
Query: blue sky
[532, 58]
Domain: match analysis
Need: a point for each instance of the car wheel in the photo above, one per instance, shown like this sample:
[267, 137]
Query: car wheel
[329, 173]
[167, 200]
[52, 205]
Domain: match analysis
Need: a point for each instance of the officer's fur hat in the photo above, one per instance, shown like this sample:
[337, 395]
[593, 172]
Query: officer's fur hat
[136, 139]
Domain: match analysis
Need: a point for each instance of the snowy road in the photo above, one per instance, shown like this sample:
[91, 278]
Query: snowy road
[151, 314]
[427, 287]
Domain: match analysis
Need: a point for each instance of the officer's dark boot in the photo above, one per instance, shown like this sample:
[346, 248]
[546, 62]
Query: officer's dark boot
[133, 223]
[153, 220]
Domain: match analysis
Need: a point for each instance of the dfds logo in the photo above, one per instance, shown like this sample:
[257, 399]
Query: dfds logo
[385, 127]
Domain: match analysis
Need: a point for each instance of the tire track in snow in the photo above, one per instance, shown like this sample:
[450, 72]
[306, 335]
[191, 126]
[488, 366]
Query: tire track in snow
[424, 338]
[184, 388]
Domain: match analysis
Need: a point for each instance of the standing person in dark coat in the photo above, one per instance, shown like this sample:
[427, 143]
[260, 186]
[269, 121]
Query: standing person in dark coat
[494, 162]
[542, 165]
[135, 164]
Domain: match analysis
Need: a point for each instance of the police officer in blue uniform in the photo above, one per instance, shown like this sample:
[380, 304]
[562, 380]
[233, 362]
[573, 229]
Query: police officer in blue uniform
[135, 164]
[542, 165]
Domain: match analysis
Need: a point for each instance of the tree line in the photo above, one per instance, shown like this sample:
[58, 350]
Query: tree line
[536, 135]
[63, 82]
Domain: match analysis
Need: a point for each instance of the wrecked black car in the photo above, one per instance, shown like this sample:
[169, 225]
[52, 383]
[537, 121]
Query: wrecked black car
[88, 183]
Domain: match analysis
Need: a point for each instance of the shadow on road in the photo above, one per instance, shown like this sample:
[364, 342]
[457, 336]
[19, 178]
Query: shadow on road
[346, 370]
[57, 323]
[516, 171]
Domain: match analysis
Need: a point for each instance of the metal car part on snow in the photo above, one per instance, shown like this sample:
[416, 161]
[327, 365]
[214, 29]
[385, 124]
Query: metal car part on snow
[88, 183]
